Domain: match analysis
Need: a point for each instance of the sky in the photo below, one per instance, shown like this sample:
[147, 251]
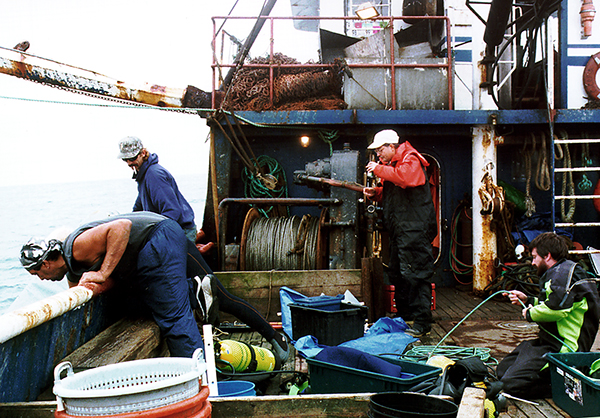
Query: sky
[49, 136]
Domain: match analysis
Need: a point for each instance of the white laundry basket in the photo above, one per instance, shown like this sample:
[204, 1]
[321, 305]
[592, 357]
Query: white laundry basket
[131, 386]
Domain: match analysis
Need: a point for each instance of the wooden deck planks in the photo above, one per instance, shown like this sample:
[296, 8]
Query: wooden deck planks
[452, 305]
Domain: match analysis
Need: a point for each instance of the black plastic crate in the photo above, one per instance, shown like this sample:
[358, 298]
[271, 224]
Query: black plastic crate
[330, 327]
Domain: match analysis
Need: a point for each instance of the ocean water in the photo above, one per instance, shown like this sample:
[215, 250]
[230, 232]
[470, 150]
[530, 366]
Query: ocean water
[37, 210]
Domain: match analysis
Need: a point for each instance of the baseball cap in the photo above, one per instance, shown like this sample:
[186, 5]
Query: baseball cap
[129, 147]
[387, 136]
[36, 250]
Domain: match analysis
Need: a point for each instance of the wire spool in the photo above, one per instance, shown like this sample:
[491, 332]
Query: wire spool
[281, 243]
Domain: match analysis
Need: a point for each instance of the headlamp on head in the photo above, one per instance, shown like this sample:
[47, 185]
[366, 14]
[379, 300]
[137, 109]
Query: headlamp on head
[36, 251]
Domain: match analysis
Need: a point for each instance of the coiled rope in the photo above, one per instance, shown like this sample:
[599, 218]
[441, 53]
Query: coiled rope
[542, 177]
[254, 184]
[437, 346]
[422, 353]
[520, 276]
[529, 202]
[459, 268]
[282, 243]
[567, 181]
[585, 184]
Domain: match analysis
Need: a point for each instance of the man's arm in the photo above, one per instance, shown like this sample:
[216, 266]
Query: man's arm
[108, 240]
[406, 173]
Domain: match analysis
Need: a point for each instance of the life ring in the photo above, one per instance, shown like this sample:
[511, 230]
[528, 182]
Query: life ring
[589, 77]
[596, 193]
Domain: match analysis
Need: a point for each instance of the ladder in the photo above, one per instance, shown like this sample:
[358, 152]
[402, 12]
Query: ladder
[561, 174]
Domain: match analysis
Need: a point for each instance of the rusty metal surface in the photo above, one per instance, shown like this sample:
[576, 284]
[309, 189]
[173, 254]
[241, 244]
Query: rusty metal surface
[28, 359]
[20, 320]
[40, 70]
[305, 88]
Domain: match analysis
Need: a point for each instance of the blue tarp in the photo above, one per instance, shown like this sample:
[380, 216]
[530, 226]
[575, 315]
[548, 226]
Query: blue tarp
[356, 359]
[386, 336]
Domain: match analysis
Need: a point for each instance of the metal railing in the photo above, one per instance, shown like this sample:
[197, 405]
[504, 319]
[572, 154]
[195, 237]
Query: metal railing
[392, 66]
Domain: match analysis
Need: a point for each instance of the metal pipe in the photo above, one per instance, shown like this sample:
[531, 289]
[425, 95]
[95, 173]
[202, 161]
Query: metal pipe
[450, 66]
[45, 71]
[484, 238]
[393, 63]
[20, 320]
[356, 65]
[239, 60]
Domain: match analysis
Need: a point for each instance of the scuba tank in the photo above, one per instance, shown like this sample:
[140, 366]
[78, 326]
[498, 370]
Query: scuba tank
[241, 357]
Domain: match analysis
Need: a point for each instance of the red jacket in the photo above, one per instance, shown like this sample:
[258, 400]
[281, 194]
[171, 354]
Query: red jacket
[407, 171]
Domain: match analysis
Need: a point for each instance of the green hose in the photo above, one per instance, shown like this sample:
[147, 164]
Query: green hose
[435, 349]
[254, 187]
[463, 320]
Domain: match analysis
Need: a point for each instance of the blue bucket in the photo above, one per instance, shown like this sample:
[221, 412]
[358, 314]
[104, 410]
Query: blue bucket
[236, 388]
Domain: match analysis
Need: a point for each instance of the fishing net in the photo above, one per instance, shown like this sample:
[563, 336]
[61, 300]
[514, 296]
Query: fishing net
[294, 88]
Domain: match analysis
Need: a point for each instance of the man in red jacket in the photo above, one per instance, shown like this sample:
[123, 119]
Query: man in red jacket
[409, 217]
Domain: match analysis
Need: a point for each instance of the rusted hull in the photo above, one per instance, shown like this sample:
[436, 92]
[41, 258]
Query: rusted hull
[20, 320]
[28, 359]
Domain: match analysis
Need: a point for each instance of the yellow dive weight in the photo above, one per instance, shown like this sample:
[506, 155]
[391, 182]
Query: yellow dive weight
[243, 357]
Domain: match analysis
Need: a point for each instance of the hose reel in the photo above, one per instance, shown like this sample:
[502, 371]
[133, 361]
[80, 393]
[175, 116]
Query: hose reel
[282, 243]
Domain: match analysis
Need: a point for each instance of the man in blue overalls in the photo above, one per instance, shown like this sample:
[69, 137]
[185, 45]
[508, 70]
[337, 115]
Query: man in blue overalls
[150, 254]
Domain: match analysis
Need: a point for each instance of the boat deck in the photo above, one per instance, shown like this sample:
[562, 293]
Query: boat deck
[495, 325]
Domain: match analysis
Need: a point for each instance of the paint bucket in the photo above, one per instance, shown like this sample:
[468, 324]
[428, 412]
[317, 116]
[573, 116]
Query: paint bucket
[228, 388]
[410, 405]
[195, 407]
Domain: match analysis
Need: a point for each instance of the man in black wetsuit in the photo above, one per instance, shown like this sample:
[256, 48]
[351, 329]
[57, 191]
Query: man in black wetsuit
[567, 310]
[150, 254]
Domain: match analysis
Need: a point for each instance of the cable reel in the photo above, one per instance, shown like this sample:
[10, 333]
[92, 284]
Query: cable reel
[282, 243]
